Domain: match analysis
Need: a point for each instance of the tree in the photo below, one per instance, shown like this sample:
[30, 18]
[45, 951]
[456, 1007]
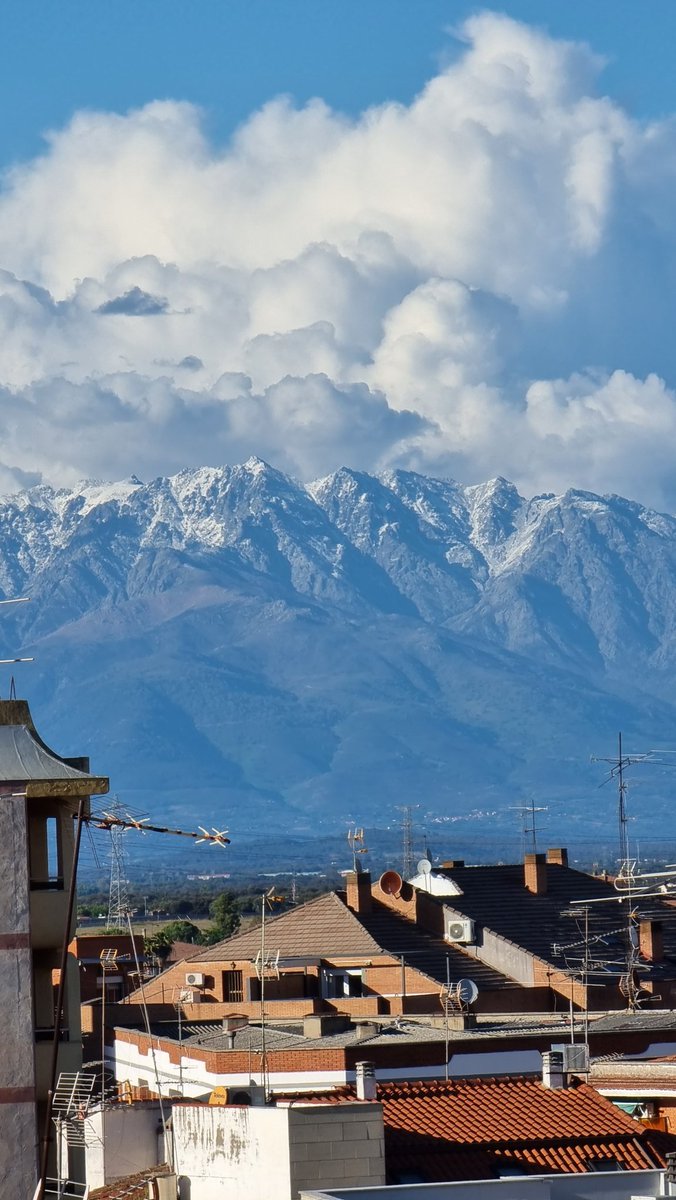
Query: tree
[160, 943]
[225, 914]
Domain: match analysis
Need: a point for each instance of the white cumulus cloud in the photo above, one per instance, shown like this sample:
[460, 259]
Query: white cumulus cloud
[476, 283]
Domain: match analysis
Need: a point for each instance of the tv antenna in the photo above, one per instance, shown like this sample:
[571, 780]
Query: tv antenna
[266, 966]
[629, 884]
[528, 812]
[10, 662]
[618, 768]
[455, 998]
[357, 844]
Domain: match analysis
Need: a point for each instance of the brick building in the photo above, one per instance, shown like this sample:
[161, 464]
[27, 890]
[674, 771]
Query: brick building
[390, 947]
[343, 952]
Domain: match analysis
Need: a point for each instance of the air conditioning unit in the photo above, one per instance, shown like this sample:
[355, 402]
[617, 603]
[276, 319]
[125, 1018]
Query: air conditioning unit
[575, 1057]
[459, 929]
[190, 996]
[194, 979]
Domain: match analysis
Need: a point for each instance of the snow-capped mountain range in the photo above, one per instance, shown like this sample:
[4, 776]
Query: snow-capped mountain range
[232, 642]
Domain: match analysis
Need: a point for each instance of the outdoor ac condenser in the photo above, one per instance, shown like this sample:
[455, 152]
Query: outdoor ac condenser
[459, 929]
[194, 979]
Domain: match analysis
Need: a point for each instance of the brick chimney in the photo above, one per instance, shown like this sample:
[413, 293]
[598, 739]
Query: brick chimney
[535, 874]
[359, 891]
[650, 940]
[558, 857]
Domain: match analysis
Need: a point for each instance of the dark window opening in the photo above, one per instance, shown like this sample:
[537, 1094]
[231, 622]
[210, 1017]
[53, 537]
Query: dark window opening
[46, 857]
[233, 987]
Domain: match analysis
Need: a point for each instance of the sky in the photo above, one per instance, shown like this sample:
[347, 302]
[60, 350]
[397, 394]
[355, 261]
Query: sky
[429, 236]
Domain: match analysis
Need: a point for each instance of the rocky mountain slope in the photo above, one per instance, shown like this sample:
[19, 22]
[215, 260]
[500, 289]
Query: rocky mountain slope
[230, 644]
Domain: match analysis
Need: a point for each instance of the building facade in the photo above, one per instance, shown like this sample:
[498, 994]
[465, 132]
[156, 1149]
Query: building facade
[40, 793]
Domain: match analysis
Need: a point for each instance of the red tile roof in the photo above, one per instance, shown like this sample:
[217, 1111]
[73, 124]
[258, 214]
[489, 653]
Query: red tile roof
[130, 1187]
[326, 926]
[473, 1128]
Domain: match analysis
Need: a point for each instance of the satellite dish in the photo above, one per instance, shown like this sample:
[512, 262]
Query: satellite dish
[467, 991]
[391, 883]
[424, 866]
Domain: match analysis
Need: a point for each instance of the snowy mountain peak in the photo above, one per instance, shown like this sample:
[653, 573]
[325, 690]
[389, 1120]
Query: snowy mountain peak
[364, 636]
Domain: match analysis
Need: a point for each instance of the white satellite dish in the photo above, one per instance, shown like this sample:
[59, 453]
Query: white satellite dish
[467, 991]
[424, 866]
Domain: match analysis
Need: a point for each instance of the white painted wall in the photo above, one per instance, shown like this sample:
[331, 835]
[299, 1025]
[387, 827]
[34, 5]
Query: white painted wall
[132, 1065]
[121, 1141]
[234, 1152]
[271, 1153]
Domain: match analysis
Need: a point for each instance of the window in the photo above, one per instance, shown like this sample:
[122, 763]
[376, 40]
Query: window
[341, 984]
[46, 864]
[233, 987]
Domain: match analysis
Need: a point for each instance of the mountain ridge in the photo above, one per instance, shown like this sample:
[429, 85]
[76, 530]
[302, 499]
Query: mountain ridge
[306, 654]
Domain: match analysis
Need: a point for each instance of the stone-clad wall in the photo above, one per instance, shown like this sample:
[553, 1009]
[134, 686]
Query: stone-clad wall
[18, 1129]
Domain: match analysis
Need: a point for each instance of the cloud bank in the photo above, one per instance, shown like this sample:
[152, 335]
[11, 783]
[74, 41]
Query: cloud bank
[477, 283]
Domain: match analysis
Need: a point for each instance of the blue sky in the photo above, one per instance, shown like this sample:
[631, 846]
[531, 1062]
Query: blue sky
[461, 259]
[231, 55]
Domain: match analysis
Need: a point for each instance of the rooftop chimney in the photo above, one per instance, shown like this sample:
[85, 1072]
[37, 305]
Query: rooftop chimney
[359, 891]
[553, 1074]
[558, 857]
[367, 1086]
[651, 940]
[535, 874]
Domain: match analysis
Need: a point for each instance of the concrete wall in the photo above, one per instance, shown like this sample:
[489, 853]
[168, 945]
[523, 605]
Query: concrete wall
[499, 953]
[605, 1185]
[332, 1142]
[255, 1153]
[122, 1141]
[18, 1127]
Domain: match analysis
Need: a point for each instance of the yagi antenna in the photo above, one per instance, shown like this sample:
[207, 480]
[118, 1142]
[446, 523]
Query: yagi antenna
[10, 662]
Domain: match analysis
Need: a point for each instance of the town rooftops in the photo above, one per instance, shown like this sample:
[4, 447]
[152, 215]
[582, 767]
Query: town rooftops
[327, 927]
[543, 923]
[484, 1128]
[26, 759]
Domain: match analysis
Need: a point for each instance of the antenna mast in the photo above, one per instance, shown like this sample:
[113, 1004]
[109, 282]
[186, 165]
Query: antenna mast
[407, 838]
[528, 814]
[118, 892]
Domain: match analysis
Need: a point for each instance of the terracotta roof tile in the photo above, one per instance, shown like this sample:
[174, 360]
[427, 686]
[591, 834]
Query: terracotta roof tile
[471, 1128]
[326, 926]
[322, 926]
[130, 1187]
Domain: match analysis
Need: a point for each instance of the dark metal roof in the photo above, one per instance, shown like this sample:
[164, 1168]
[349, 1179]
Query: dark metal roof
[496, 897]
[23, 756]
